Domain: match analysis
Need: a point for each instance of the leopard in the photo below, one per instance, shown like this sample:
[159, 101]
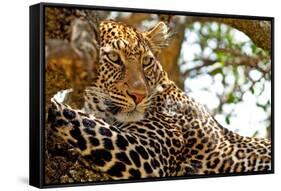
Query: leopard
[136, 122]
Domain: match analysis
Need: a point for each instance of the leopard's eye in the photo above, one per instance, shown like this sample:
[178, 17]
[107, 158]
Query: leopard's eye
[147, 60]
[114, 57]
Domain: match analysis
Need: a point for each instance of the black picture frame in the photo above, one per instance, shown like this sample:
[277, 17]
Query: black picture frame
[37, 91]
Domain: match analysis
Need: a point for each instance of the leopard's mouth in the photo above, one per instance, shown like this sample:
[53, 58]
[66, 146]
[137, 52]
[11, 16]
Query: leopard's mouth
[131, 116]
[129, 113]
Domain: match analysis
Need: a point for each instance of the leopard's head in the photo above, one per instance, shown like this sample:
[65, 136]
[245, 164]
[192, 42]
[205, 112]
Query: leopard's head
[129, 72]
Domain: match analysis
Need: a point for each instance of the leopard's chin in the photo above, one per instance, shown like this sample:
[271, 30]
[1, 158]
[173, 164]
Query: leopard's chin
[131, 116]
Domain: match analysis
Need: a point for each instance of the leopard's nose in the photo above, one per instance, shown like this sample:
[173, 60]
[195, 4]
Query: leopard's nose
[137, 97]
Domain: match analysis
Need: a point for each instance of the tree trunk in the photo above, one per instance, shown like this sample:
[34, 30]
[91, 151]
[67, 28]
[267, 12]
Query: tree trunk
[68, 65]
[170, 55]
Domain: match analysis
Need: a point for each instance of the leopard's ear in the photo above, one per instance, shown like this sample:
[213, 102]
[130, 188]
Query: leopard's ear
[158, 37]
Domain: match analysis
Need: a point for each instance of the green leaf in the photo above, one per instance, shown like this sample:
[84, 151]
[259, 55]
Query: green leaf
[252, 89]
[230, 98]
[229, 39]
[235, 72]
[227, 119]
[255, 134]
[254, 48]
[264, 107]
[216, 71]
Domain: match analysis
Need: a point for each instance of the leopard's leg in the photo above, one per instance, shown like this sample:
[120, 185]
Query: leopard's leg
[109, 149]
[186, 169]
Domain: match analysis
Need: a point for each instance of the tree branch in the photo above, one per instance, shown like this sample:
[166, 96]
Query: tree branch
[134, 19]
[258, 31]
[72, 49]
[72, 54]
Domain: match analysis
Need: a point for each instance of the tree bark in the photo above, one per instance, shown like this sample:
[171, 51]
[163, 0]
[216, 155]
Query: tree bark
[258, 31]
[169, 56]
[69, 65]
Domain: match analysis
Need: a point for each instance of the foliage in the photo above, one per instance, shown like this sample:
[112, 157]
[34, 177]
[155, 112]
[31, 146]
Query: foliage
[235, 65]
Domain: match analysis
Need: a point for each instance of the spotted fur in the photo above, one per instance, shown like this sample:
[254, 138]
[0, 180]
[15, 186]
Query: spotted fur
[138, 124]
